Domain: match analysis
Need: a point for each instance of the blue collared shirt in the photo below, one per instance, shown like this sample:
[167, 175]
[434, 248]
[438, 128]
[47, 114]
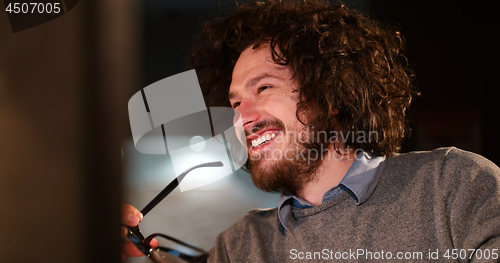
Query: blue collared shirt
[360, 181]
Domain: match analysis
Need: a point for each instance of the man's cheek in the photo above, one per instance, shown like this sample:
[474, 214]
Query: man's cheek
[238, 127]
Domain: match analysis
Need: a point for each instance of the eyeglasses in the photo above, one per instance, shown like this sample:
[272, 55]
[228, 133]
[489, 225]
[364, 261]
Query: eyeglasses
[177, 251]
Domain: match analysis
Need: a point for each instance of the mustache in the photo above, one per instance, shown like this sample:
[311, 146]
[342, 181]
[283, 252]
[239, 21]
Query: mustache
[274, 123]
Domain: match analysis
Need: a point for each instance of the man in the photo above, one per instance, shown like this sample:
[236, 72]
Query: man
[322, 92]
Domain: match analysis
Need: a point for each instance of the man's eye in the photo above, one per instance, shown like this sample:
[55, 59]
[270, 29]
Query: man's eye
[261, 89]
[236, 104]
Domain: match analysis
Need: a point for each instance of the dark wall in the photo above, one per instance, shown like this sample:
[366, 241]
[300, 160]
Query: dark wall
[64, 88]
[169, 29]
[451, 45]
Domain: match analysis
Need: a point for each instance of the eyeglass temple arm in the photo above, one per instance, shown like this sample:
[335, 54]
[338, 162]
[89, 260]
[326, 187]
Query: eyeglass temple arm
[172, 185]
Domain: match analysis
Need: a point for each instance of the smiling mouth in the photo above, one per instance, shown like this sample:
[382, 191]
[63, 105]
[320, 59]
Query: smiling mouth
[263, 139]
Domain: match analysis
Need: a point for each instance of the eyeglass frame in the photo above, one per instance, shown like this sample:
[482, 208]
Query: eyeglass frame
[142, 244]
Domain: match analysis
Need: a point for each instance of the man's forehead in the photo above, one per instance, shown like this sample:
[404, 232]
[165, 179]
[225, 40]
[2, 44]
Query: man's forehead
[253, 65]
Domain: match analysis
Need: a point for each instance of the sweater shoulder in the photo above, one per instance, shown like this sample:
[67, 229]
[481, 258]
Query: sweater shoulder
[467, 159]
[448, 166]
[441, 157]
[471, 168]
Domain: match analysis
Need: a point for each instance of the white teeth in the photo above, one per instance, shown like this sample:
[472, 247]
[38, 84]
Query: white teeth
[263, 139]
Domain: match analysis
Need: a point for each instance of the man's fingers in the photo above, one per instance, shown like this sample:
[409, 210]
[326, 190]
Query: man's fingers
[130, 250]
[124, 232]
[154, 243]
[130, 215]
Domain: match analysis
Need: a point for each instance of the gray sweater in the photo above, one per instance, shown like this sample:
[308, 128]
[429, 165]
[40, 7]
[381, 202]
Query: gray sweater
[442, 205]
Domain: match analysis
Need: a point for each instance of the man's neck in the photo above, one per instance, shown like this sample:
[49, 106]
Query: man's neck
[329, 174]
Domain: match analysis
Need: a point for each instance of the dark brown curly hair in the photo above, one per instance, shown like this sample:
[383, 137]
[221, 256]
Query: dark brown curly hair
[350, 69]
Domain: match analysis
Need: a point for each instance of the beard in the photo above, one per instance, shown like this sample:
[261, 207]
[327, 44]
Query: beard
[293, 170]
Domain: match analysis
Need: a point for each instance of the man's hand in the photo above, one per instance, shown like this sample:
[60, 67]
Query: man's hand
[131, 217]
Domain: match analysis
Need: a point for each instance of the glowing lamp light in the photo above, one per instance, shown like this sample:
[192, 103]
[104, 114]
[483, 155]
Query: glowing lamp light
[197, 143]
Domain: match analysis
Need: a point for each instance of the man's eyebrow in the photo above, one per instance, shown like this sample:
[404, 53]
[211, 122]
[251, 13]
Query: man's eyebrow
[254, 81]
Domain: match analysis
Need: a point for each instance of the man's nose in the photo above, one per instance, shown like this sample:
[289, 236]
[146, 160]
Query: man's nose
[249, 112]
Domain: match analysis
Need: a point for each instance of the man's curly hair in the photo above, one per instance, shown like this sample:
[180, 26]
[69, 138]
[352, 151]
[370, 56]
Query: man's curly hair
[350, 69]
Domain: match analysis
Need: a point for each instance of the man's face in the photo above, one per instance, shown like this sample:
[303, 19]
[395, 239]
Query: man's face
[264, 94]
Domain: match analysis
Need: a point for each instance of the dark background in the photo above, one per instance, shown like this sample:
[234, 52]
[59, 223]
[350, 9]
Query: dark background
[450, 45]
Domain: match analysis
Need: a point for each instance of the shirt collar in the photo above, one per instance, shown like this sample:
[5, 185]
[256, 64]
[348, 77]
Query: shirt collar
[360, 179]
